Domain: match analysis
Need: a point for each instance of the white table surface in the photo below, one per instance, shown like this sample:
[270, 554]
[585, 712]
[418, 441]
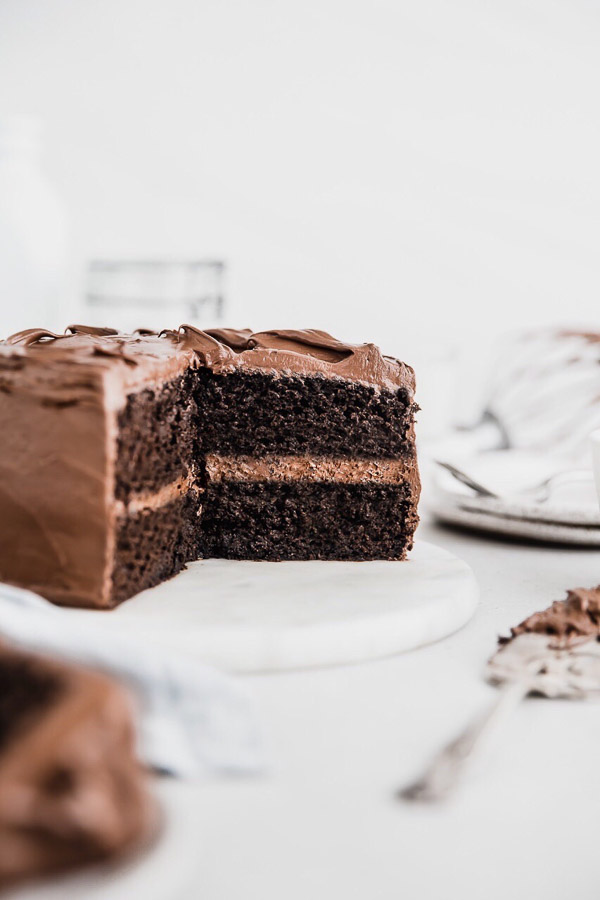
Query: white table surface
[324, 823]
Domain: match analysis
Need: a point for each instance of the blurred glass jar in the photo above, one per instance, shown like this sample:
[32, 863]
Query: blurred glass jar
[33, 232]
[154, 294]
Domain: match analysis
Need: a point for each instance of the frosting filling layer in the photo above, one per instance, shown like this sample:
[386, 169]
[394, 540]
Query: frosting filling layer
[309, 468]
[275, 468]
[155, 499]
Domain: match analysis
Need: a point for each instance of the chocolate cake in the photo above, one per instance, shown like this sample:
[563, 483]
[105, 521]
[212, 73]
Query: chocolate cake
[122, 456]
[71, 789]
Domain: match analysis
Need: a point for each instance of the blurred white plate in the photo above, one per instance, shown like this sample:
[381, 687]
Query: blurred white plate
[569, 515]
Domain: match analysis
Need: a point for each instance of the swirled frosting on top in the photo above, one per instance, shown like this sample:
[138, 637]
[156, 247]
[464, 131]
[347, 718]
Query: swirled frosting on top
[224, 350]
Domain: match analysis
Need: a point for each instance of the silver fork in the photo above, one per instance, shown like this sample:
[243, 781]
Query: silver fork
[540, 492]
[527, 664]
[448, 767]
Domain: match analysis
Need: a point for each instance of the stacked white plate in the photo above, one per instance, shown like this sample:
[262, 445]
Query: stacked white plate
[568, 513]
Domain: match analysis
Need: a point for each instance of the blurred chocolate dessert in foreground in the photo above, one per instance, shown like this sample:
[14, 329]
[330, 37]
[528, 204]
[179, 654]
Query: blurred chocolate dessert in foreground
[72, 791]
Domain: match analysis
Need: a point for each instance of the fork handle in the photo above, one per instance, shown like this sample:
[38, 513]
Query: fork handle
[448, 767]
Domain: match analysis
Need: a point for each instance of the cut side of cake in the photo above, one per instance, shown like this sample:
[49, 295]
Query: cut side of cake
[71, 789]
[129, 455]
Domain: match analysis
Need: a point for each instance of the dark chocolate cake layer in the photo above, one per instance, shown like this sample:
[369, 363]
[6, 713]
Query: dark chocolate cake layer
[254, 414]
[301, 521]
[124, 456]
[150, 457]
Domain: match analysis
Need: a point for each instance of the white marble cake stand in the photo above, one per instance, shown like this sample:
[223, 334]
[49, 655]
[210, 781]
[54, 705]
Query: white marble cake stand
[264, 616]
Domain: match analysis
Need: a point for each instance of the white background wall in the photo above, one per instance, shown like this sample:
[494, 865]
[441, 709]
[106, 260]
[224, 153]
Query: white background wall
[418, 173]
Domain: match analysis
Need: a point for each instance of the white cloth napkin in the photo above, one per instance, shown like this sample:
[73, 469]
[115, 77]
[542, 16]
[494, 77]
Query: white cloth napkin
[193, 720]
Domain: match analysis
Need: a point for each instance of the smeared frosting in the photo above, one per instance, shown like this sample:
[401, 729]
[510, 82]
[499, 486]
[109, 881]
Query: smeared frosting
[341, 470]
[567, 621]
[288, 352]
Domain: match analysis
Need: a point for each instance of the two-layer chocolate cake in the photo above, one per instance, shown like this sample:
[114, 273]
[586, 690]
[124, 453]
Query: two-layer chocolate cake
[122, 457]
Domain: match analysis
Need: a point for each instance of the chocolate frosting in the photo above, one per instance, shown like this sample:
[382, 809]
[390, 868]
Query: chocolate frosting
[301, 352]
[307, 468]
[569, 621]
[71, 788]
